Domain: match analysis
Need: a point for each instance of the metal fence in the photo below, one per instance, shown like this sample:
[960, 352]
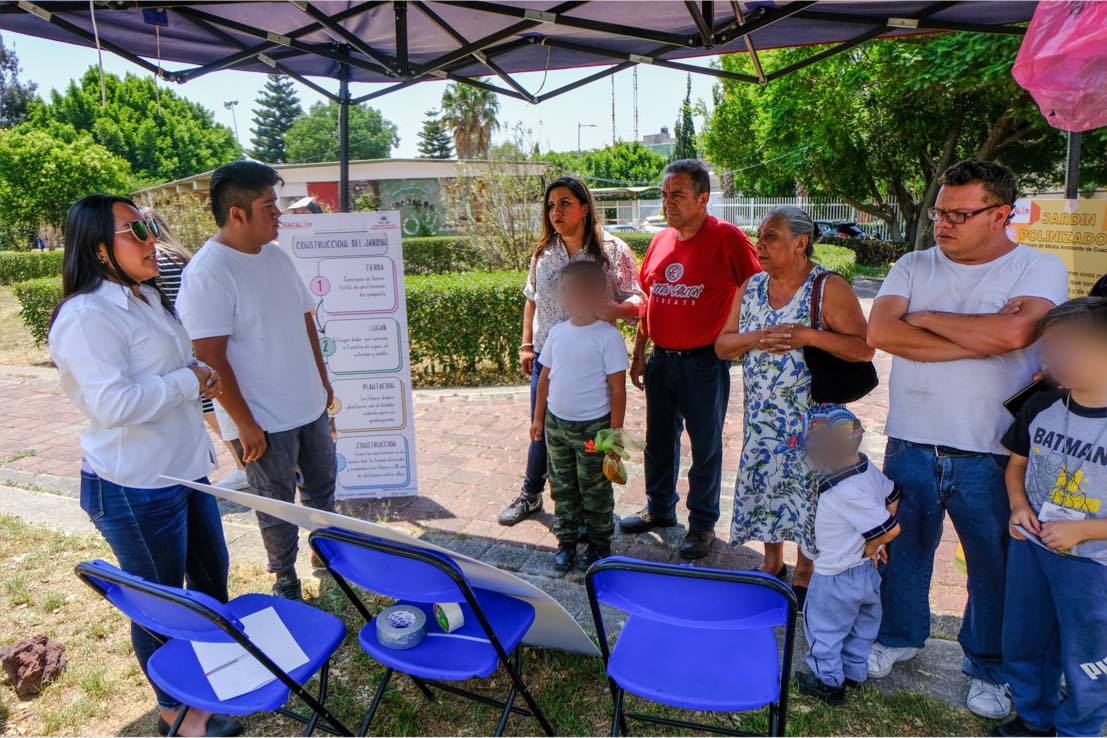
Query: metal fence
[746, 212]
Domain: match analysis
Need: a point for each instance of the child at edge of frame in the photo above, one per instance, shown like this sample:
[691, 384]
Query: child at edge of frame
[1057, 559]
[854, 522]
[581, 391]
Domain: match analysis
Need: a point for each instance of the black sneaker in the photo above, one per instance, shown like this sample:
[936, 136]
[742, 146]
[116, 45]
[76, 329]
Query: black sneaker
[591, 556]
[1018, 727]
[218, 725]
[524, 506]
[645, 521]
[565, 557]
[800, 592]
[809, 684]
[696, 544]
[287, 585]
[852, 684]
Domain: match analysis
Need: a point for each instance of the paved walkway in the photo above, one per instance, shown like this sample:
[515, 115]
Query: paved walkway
[470, 452]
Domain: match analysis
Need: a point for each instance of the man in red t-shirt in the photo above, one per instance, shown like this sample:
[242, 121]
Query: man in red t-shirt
[689, 275]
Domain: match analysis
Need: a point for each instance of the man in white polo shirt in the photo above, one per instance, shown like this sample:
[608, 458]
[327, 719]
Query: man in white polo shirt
[249, 316]
[960, 320]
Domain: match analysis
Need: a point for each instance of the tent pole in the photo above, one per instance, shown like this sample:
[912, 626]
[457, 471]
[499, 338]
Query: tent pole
[1072, 165]
[344, 137]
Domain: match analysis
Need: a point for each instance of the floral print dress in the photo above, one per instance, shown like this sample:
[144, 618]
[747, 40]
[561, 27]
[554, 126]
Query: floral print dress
[774, 498]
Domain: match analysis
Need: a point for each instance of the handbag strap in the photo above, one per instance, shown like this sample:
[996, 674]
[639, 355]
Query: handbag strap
[817, 298]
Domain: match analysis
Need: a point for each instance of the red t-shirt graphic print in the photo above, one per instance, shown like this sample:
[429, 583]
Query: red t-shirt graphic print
[690, 284]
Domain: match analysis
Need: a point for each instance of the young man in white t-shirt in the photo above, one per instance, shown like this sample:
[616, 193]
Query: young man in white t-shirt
[960, 320]
[249, 316]
[581, 391]
[854, 521]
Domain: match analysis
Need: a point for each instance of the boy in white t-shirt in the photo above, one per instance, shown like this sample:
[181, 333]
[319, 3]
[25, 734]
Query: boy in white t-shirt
[581, 391]
[854, 520]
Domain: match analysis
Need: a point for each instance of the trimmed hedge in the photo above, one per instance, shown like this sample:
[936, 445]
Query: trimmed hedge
[837, 259]
[872, 252]
[461, 323]
[442, 255]
[37, 299]
[18, 266]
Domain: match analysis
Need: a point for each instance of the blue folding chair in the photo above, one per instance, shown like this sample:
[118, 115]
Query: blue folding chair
[697, 639]
[177, 617]
[494, 623]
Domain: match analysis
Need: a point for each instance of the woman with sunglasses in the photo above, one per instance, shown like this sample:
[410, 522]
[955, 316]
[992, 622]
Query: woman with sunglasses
[126, 362]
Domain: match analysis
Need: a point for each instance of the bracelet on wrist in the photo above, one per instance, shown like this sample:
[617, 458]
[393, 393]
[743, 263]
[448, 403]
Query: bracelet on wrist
[526, 347]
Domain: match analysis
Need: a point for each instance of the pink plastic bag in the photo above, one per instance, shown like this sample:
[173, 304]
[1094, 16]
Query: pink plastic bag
[1062, 63]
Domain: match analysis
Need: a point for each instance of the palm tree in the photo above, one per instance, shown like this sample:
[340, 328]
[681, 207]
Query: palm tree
[470, 112]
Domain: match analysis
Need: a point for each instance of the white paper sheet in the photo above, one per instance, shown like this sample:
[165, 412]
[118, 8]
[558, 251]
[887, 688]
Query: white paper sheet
[553, 626]
[232, 672]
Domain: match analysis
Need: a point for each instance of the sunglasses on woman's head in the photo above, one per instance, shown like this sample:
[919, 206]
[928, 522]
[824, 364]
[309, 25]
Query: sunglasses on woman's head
[141, 229]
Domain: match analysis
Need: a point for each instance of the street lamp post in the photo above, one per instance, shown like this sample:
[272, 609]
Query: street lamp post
[230, 105]
[583, 125]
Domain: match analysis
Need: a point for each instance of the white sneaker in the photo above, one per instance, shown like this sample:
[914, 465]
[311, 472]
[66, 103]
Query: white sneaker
[236, 480]
[882, 658]
[988, 700]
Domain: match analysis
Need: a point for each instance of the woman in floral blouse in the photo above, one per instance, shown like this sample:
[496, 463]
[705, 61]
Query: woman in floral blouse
[571, 231]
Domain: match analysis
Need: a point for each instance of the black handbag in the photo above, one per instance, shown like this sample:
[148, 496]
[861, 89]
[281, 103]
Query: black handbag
[833, 379]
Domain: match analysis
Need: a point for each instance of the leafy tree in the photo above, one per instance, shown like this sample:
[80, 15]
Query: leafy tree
[15, 96]
[161, 135]
[314, 137]
[434, 140]
[470, 113]
[41, 176]
[624, 164]
[685, 130]
[880, 123]
[278, 107]
[497, 204]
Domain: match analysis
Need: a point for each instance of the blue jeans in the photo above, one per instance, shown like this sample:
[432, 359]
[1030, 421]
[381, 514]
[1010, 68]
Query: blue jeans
[693, 392]
[171, 535]
[970, 487]
[1060, 627]
[534, 481]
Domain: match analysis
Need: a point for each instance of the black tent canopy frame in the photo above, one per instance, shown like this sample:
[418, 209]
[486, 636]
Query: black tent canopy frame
[273, 49]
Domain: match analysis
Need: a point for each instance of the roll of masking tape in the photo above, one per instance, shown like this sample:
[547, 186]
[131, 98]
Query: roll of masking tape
[449, 616]
[401, 627]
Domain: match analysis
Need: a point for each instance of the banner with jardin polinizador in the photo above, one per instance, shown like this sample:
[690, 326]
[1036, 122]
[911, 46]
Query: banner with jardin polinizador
[1074, 230]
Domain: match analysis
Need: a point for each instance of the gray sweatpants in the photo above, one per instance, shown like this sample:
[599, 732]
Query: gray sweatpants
[310, 449]
[841, 618]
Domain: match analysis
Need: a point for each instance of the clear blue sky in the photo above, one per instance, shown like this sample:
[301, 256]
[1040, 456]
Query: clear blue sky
[52, 65]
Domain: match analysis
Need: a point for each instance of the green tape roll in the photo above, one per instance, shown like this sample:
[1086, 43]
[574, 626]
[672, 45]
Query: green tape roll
[449, 616]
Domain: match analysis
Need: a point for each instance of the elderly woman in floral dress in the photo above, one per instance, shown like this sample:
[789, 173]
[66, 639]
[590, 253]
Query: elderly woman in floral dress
[769, 324]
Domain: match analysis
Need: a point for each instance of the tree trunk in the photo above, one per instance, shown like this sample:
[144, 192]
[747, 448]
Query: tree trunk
[882, 211]
[924, 237]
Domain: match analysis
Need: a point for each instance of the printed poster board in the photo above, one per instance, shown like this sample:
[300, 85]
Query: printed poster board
[553, 626]
[354, 265]
[1074, 230]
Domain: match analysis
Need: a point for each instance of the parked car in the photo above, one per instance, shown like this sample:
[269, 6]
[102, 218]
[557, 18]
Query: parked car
[829, 229]
[622, 228]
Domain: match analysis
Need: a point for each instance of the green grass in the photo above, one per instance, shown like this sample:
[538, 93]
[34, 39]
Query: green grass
[102, 691]
[871, 272]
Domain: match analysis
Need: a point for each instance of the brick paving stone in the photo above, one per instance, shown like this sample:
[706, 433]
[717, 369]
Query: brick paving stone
[471, 450]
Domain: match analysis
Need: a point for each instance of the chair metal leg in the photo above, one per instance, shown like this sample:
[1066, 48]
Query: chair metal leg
[324, 673]
[423, 688]
[773, 719]
[512, 693]
[617, 720]
[377, 697]
[517, 680]
[179, 719]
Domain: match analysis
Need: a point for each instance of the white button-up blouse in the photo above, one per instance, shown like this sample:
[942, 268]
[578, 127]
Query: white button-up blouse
[125, 364]
[544, 281]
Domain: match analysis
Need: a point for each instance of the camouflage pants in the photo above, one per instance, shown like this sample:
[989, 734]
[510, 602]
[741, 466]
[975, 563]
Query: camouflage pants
[580, 491]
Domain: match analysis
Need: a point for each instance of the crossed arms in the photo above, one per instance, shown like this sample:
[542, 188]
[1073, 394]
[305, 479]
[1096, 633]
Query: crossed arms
[937, 336]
